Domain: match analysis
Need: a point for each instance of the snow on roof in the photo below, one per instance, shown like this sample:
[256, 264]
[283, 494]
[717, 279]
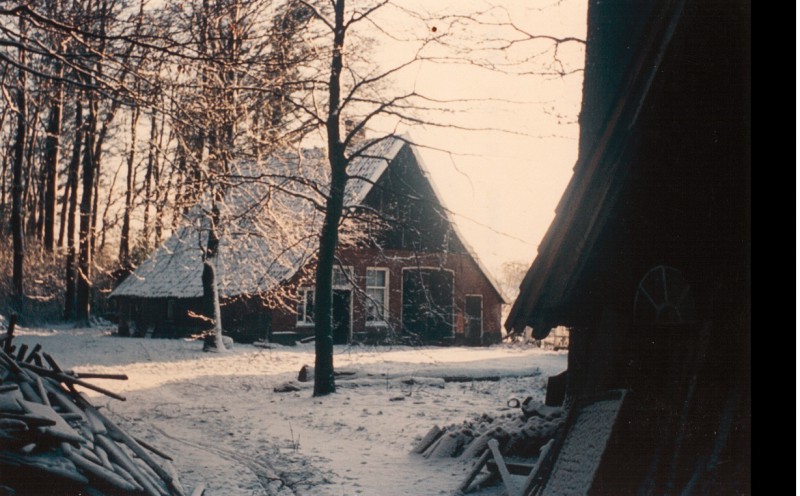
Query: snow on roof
[369, 166]
[262, 244]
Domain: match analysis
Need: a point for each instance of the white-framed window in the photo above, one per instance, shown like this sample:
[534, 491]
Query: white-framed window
[305, 307]
[377, 300]
[342, 277]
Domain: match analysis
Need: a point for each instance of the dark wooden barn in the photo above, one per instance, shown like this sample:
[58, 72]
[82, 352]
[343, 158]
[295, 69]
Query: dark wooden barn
[648, 258]
[411, 277]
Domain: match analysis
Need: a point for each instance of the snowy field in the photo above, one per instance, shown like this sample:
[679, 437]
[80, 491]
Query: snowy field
[220, 418]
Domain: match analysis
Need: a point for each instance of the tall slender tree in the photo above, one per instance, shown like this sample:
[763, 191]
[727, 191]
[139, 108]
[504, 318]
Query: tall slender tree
[17, 221]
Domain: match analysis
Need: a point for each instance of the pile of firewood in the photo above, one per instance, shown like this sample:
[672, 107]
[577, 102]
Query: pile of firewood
[53, 441]
[518, 433]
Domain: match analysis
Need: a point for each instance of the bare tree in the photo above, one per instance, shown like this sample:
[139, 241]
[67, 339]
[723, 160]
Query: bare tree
[19, 155]
[363, 91]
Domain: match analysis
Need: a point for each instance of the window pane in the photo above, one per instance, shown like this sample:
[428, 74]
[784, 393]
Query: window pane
[375, 304]
[301, 309]
[340, 278]
[376, 277]
[309, 305]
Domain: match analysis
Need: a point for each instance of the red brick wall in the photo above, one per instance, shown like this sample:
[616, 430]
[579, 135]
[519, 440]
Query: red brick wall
[468, 280]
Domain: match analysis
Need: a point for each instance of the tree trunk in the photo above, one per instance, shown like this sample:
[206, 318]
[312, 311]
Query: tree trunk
[16, 190]
[85, 231]
[95, 196]
[324, 382]
[148, 184]
[53, 145]
[72, 193]
[211, 305]
[3, 225]
[159, 204]
[124, 240]
[104, 218]
[33, 180]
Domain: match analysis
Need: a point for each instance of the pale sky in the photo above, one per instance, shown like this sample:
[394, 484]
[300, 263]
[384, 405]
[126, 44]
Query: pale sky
[504, 187]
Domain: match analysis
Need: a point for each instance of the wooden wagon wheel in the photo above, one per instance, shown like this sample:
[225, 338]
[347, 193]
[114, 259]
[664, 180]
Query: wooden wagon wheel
[664, 297]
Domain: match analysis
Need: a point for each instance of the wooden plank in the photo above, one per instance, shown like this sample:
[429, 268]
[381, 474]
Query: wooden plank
[578, 452]
[474, 472]
[71, 381]
[494, 446]
[515, 468]
[533, 474]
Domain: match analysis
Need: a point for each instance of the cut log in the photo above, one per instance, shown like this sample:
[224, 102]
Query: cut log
[92, 375]
[29, 393]
[103, 456]
[34, 353]
[43, 465]
[71, 381]
[8, 400]
[131, 443]
[60, 429]
[429, 438]
[52, 362]
[4, 388]
[10, 362]
[23, 348]
[32, 421]
[450, 445]
[286, 387]
[154, 449]
[119, 457]
[62, 398]
[42, 392]
[97, 472]
[124, 474]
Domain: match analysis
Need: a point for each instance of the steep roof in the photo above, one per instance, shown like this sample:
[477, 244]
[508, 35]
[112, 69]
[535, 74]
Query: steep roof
[257, 253]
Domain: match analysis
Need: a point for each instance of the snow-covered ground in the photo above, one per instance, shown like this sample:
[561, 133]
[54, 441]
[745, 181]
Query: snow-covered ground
[221, 420]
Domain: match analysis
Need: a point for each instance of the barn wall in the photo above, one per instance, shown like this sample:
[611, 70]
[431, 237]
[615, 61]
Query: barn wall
[244, 319]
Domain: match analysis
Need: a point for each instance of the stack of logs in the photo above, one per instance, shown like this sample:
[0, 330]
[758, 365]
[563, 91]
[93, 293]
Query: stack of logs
[53, 441]
[518, 433]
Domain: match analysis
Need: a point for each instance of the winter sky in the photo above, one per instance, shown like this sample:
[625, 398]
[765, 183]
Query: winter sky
[503, 184]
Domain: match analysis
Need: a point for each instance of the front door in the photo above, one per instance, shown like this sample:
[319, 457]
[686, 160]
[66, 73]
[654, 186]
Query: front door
[473, 310]
[428, 304]
[341, 316]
